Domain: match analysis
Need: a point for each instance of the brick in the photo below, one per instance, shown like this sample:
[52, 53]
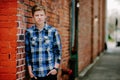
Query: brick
[23, 55]
[20, 11]
[12, 4]
[20, 62]
[9, 4]
[4, 31]
[4, 44]
[8, 34]
[19, 75]
[19, 69]
[26, 2]
[20, 18]
[3, 18]
[13, 31]
[23, 74]
[20, 44]
[11, 11]
[18, 31]
[12, 38]
[29, 20]
[7, 70]
[13, 56]
[7, 0]
[7, 76]
[12, 18]
[4, 50]
[8, 63]
[18, 56]
[23, 68]
[13, 44]
[7, 50]
[5, 37]
[4, 57]
[8, 24]
[32, 3]
[19, 5]
[13, 50]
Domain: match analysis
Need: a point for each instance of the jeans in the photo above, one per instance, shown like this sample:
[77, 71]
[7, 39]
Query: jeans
[50, 77]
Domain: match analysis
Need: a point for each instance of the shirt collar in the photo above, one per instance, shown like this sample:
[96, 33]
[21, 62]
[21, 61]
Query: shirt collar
[44, 28]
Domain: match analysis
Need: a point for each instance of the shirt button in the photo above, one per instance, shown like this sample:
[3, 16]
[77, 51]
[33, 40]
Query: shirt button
[48, 49]
[40, 39]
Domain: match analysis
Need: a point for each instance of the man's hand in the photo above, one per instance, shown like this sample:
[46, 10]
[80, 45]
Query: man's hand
[30, 72]
[52, 72]
[32, 75]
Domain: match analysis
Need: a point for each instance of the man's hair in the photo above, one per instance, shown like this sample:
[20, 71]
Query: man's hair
[38, 8]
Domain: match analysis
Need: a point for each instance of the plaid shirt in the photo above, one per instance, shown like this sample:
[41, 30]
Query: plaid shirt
[43, 49]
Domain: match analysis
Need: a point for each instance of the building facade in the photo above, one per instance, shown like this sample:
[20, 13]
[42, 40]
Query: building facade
[79, 22]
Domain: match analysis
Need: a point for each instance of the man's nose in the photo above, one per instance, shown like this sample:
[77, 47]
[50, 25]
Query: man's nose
[39, 16]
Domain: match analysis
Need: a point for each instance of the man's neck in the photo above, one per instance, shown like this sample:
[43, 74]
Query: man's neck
[40, 26]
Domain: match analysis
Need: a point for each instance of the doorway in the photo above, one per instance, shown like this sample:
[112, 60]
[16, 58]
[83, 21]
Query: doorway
[74, 37]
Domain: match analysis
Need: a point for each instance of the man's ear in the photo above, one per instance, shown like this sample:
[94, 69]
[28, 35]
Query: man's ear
[33, 20]
[46, 18]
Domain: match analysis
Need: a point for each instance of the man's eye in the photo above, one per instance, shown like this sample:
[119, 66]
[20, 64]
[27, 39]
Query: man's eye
[41, 15]
[36, 15]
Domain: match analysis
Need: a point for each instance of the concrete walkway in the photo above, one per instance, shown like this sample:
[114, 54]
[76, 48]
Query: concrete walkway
[107, 66]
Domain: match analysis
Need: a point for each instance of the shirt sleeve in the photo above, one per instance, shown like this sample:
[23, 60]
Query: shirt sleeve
[57, 47]
[27, 48]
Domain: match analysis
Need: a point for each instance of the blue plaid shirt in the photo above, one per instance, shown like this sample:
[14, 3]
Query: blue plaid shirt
[43, 49]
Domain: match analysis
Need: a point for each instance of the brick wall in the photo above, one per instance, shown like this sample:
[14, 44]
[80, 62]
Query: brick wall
[102, 16]
[57, 15]
[22, 24]
[8, 39]
[84, 40]
[15, 17]
[91, 31]
[96, 29]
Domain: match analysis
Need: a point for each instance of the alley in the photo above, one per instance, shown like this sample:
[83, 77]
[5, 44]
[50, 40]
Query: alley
[107, 67]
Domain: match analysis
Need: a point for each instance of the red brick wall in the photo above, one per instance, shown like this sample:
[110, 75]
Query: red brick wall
[96, 29]
[102, 8]
[91, 31]
[20, 55]
[8, 39]
[15, 17]
[58, 16]
[84, 40]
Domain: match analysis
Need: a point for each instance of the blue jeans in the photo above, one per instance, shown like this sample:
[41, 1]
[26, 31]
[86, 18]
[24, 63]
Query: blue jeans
[50, 77]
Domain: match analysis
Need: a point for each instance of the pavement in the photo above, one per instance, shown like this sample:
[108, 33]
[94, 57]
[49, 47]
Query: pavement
[106, 67]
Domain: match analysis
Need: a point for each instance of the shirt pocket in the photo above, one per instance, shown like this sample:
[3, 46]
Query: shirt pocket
[47, 40]
[34, 41]
[48, 43]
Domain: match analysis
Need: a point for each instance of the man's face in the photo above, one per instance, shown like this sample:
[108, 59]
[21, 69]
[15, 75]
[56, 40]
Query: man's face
[39, 17]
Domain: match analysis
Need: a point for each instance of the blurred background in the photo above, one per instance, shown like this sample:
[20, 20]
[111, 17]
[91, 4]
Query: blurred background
[113, 22]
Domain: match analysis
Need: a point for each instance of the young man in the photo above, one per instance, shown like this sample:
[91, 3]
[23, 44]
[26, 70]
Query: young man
[42, 47]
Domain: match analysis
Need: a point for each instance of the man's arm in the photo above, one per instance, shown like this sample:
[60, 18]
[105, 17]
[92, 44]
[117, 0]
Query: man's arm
[27, 48]
[31, 73]
[28, 54]
[57, 49]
